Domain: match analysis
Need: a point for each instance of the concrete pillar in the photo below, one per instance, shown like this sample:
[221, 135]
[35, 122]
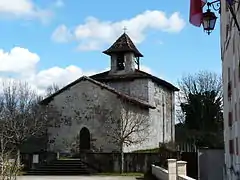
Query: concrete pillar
[172, 169]
[182, 168]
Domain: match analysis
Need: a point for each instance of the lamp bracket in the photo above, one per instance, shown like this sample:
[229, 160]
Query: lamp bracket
[216, 5]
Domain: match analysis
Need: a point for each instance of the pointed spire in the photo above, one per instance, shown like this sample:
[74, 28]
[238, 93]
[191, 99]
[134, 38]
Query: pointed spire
[123, 44]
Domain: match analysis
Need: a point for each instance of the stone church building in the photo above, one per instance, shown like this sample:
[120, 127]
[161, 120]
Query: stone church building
[90, 109]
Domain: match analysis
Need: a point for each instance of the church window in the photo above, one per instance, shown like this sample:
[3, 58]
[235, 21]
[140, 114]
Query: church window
[120, 62]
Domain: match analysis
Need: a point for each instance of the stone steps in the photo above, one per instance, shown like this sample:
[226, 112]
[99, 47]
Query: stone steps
[62, 167]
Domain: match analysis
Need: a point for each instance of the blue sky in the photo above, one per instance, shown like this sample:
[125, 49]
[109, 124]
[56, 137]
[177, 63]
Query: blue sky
[53, 41]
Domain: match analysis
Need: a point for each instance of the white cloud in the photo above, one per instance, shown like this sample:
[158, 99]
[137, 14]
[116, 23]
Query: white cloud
[24, 63]
[94, 33]
[62, 34]
[18, 60]
[58, 75]
[23, 9]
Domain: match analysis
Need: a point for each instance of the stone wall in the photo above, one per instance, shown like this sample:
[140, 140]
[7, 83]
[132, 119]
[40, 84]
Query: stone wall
[176, 171]
[162, 119]
[74, 107]
[136, 88]
[134, 162]
[88, 105]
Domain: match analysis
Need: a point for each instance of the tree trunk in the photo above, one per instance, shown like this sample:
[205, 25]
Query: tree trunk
[122, 161]
[2, 158]
[18, 157]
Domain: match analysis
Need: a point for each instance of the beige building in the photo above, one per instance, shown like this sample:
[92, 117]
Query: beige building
[230, 54]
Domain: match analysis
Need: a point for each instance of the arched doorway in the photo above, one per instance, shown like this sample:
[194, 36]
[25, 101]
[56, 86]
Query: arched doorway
[84, 139]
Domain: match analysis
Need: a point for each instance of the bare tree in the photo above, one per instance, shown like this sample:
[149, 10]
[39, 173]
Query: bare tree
[132, 129]
[52, 89]
[203, 81]
[21, 116]
[8, 164]
[198, 83]
[124, 124]
[9, 169]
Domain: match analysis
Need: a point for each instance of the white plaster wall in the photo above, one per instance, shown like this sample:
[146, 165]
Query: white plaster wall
[230, 54]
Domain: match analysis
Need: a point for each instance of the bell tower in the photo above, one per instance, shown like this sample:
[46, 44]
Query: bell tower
[124, 55]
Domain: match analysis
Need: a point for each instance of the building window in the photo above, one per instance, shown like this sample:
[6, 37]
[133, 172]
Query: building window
[236, 146]
[231, 147]
[229, 90]
[227, 29]
[226, 7]
[230, 119]
[229, 84]
[120, 62]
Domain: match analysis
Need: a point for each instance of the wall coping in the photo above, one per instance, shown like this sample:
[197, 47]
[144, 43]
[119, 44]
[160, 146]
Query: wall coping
[182, 162]
[186, 177]
[162, 169]
[172, 160]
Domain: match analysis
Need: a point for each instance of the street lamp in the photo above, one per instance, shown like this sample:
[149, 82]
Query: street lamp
[209, 18]
[209, 21]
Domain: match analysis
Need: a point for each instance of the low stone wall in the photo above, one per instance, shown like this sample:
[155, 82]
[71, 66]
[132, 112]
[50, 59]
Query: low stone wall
[176, 171]
[133, 162]
[159, 172]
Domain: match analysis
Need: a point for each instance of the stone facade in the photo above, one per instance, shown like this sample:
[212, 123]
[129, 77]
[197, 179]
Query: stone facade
[75, 107]
[162, 118]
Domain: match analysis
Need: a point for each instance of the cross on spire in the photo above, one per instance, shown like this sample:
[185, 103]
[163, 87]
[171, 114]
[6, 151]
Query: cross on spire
[124, 29]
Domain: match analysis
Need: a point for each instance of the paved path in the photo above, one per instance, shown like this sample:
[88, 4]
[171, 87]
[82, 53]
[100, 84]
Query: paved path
[76, 178]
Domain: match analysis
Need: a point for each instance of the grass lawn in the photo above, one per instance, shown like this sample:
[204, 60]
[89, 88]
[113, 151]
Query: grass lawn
[119, 174]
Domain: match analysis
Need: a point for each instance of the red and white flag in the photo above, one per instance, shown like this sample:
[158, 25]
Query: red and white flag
[196, 12]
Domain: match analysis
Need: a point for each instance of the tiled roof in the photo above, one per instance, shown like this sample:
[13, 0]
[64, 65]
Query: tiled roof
[119, 94]
[105, 76]
[123, 44]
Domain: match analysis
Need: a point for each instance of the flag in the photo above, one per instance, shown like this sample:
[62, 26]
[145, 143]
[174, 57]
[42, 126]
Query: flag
[196, 12]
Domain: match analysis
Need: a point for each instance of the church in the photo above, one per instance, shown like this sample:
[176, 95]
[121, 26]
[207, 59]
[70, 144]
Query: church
[120, 109]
